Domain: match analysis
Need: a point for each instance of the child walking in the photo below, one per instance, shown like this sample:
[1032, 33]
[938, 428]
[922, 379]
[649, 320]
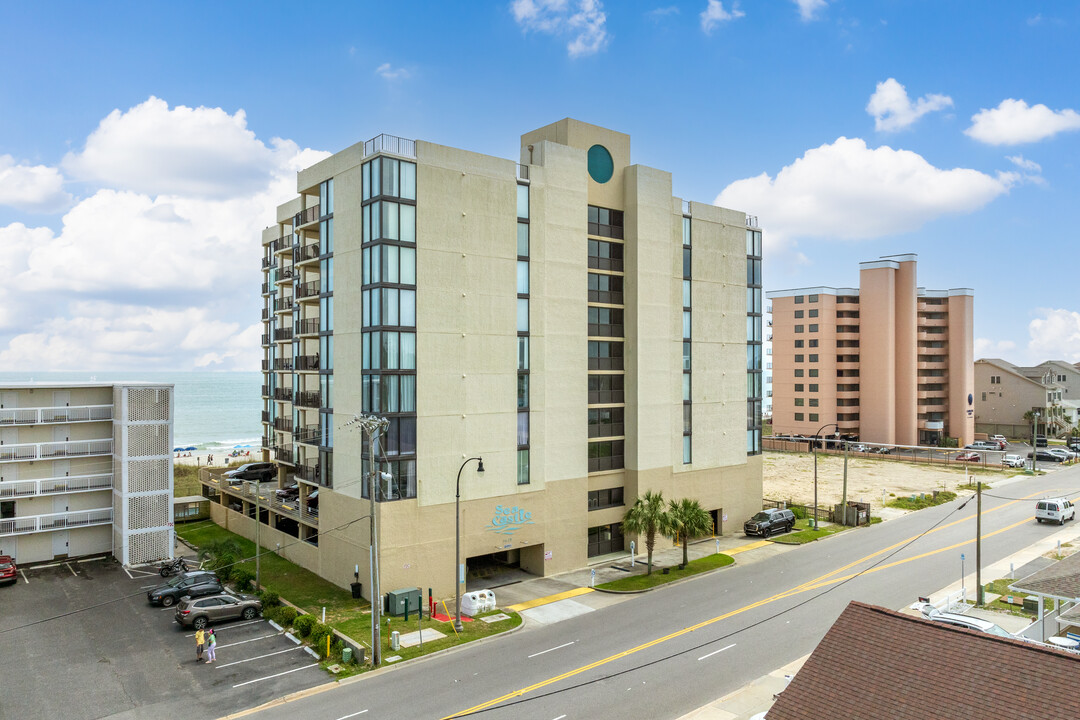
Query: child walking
[211, 647]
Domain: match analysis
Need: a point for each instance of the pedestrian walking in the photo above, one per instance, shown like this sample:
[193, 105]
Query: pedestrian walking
[200, 643]
[211, 647]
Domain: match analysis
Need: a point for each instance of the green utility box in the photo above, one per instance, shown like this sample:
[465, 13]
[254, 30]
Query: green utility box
[1031, 604]
[346, 655]
[396, 599]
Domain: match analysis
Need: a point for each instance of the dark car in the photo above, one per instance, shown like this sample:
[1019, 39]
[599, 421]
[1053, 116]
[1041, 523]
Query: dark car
[289, 492]
[199, 612]
[766, 522]
[261, 471]
[7, 569]
[1046, 456]
[194, 584]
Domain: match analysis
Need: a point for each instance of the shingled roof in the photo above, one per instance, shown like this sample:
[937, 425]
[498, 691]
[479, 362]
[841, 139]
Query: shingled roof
[876, 663]
[1060, 580]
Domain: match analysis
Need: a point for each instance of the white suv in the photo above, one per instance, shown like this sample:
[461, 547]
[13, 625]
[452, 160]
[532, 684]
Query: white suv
[1016, 461]
[1055, 510]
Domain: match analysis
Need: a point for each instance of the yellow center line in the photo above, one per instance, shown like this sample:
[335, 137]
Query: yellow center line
[821, 581]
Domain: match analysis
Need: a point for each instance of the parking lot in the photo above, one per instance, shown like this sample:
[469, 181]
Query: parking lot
[80, 641]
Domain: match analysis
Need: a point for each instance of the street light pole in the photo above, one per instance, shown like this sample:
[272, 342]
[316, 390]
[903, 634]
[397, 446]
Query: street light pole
[1035, 443]
[258, 522]
[817, 437]
[458, 579]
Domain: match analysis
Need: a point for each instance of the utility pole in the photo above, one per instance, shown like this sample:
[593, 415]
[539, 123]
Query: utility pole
[258, 522]
[978, 545]
[843, 501]
[1035, 443]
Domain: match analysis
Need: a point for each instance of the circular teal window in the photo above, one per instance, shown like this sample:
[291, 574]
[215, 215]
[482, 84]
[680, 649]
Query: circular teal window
[601, 167]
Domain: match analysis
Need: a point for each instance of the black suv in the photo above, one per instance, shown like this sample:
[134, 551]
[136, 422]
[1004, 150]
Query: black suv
[263, 472]
[766, 522]
[195, 584]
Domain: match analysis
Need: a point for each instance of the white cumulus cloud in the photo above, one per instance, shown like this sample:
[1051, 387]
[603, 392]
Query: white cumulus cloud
[1055, 335]
[714, 14]
[387, 72]
[848, 190]
[32, 188]
[1023, 163]
[156, 150]
[584, 21]
[1014, 122]
[892, 109]
[808, 9]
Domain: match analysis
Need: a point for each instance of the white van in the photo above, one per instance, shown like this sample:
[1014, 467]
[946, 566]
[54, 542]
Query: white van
[1055, 510]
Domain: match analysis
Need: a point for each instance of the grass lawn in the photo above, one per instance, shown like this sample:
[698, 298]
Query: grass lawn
[186, 481]
[351, 617]
[1001, 587]
[804, 533]
[644, 582]
[929, 500]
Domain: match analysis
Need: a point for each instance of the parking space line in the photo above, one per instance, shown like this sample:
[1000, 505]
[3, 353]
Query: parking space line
[25, 579]
[241, 642]
[271, 677]
[260, 657]
[68, 566]
[230, 627]
[126, 571]
[346, 717]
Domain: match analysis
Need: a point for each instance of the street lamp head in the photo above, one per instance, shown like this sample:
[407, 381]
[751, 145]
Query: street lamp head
[480, 467]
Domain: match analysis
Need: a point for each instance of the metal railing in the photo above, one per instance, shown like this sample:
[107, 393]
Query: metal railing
[266, 500]
[283, 454]
[55, 521]
[65, 414]
[752, 221]
[304, 253]
[53, 486]
[307, 362]
[283, 394]
[309, 326]
[49, 450]
[269, 262]
[308, 398]
[306, 216]
[283, 364]
[390, 144]
[265, 339]
[307, 289]
[309, 435]
[281, 334]
[307, 472]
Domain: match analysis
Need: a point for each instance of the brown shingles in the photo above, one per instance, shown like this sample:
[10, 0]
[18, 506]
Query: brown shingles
[1060, 580]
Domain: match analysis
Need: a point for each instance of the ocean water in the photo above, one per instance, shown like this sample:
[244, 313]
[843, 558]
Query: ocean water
[215, 411]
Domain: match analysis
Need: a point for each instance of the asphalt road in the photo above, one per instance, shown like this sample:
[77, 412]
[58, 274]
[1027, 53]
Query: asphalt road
[675, 649]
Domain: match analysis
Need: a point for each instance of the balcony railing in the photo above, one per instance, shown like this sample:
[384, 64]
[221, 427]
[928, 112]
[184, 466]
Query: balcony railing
[285, 276]
[390, 144]
[283, 424]
[266, 313]
[266, 391]
[283, 364]
[305, 253]
[308, 398]
[308, 472]
[309, 326]
[265, 365]
[522, 172]
[50, 450]
[286, 305]
[266, 416]
[307, 215]
[282, 243]
[55, 486]
[269, 262]
[265, 339]
[267, 288]
[282, 334]
[283, 394]
[283, 454]
[55, 521]
[307, 362]
[309, 435]
[307, 289]
[65, 414]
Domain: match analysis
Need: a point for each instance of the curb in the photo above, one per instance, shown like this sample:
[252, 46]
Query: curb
[673, 583]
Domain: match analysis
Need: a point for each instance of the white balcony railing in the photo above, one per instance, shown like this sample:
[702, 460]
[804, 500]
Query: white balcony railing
[55, 521]
[66, 414]
[52, 450]
[55, 486]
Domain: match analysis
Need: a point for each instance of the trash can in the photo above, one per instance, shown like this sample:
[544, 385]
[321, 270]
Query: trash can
[357, 590]
[395, 640]
[346, 655]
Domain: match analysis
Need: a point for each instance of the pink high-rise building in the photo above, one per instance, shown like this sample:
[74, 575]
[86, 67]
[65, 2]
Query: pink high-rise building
[887, 362]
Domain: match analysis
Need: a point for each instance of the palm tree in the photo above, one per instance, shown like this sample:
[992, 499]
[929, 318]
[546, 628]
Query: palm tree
[646, 517]
[686, 519]
[220, 554]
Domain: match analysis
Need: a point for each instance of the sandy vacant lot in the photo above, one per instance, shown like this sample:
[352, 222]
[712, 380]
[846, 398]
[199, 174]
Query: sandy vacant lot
[790, 476]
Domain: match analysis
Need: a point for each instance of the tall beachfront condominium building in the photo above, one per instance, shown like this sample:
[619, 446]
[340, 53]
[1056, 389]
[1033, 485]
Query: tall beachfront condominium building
[565, 318]
[86, 469]
[887, 362]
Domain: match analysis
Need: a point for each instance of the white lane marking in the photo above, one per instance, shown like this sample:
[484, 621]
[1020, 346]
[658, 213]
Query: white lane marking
[25, 579]
[128, 573]
[346, 717]
[717, 651]
[230, 627]
[560, 717]
[71, 569]
[554, 648]
[260, 657]
[241, 642]
[271, 677]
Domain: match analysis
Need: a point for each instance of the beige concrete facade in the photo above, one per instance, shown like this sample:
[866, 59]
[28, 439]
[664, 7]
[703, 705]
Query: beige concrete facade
[887, 362]
[86, 469]
[470, 282]
[1004, 393]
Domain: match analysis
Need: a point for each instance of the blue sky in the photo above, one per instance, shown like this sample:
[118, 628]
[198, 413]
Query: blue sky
[143, 146]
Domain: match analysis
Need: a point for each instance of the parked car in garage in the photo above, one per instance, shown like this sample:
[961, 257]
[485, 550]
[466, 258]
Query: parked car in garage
[200, 612]
[194, 584]
[263, 472]
[289, 492]
[8, 571]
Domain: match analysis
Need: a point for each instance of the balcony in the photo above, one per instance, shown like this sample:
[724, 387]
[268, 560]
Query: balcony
[390, 144]
[269, 263]
[307, 362]
[53, 450]
[285, 276]
[55, 486]
[283, 394]
[266, 391]
[309, 399]
[306, 216]
[283, 334]
[55, 521]
[305, 253]
[283, 454]
[285, 306]
[266, 416]
[309, 326]
[282, 244]
[309, 289]
[265, 314]
[265, 340]
[925, 321]
[66, 414]
[283, 364]
[283, 425]
[309, 435]
[309, 473]
[265, 365]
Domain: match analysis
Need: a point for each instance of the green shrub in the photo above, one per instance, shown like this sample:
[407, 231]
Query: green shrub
[303, 625]
[798, 512]
[318, 634]
[269, 598]
[224, 567]
[242, 578]
[287, 615]
[273, 613]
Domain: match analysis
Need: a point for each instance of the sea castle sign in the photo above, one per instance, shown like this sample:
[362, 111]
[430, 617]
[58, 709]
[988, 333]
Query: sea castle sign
[508, 520]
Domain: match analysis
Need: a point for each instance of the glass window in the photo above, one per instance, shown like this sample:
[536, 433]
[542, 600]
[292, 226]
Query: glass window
[686, 262]
[523, 428]
[523, 391]
[523, 202]
[408, 393]
[813, 417]
[390, 350]
[813, 372]
[799, 328]
[523, 239]
[686, 387]
[408, 180]
[523, 315]
[390, 393]
[686, 449]
[523, 277]
[798, 402]
[408, 223]
[523, 467]
[390, 264]
[367, 182]
[798, 343]
[376, 177]
[407, 347]
[798, 417]
[686, 356]
[686, 293]
[686, 231]
[799, 299]
[523, 353]
[813, 313]
[408, 308]
[390, 306]
[391, 176]
[686, 324]
[798, 314]
[390, 220]
[407, 264]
